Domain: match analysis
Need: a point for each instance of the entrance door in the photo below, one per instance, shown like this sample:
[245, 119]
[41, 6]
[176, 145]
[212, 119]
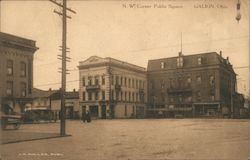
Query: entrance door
[103, 112]
[69, 112]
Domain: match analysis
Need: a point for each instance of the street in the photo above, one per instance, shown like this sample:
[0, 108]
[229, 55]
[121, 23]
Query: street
[136, 139]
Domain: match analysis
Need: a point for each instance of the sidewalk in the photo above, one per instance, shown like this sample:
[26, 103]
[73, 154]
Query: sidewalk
[29, 132]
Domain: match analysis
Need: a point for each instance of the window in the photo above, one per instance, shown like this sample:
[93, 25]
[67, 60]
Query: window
[140, 83]
[117, 95]
[83, 96]
[211, 80]
[121, 81]
[89, 96]
[103, 95]
[137, 97]
[103, 80]
[162, 65]
[23, 69]
[89, 80]
[83, 81]
[112, 95]
[136, 84]
[125, 96]
[180, 62]
[116, 80]
[162, 84]
[212, 98]
[121, 96]
[189, 99]
[96, 80]
[96, 95]
[9, 67]
[189, 80]
[129, 83]
[23, 89]
[198, 78]
[112, 80]
[198, 95]
[129, 96]
[133, 83]
[133, 97]
[125, 82]
[199, 60]
[9, 90]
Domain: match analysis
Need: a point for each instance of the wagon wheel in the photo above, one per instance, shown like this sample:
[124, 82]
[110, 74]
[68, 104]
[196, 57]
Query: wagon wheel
[16, 125]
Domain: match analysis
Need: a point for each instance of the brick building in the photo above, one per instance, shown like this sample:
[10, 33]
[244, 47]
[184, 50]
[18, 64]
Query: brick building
[192, 86]
[110, 88]
[16, 71]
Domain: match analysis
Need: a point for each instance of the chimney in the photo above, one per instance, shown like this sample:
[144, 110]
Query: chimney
[74, 90]
[49, 89]
[221, 53]
[227, 60]
[180, 54]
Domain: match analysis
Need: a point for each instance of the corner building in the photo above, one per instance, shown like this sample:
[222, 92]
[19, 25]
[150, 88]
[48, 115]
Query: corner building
[110, 88]
[192, 86]
[16, 72]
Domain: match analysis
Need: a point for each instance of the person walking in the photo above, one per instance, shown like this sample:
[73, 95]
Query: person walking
[88, 117]
[84, 116]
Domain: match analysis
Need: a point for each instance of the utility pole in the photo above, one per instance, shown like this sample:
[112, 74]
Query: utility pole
[64, 59]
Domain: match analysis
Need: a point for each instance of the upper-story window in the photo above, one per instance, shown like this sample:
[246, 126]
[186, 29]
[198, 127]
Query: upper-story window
[180, 62]
[116, 80]
[117, 95]
[83, 96]
[9, 67]
[103, 95]
[103, 79]
[9, 89]
[133, 83]
[129, 83]
[189, 80]
[199, 60]
[125, 82]
[89, 96]
[162, 65]
[211, 80]
[198, 79]
[23, 89]
[96, 96]
[112, 80]
[96, 80]
[23, 69]
[89, 80]
[83, 81]
[121, 81]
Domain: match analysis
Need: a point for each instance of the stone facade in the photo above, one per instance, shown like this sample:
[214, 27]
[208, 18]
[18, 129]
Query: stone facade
[110, 88]
[16, 71]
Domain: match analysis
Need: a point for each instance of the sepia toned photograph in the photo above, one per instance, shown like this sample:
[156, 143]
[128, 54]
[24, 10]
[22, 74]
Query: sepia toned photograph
[125, 79]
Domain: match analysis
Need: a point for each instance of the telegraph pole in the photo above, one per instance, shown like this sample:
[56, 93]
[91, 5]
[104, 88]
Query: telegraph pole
[64, 60]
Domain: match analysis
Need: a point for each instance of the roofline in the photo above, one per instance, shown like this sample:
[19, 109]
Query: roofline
[184, 56]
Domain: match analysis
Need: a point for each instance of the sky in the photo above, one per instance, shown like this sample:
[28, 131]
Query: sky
[112, 28]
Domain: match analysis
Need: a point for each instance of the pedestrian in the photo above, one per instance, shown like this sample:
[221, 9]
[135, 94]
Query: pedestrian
[84, 116]
[88, 117]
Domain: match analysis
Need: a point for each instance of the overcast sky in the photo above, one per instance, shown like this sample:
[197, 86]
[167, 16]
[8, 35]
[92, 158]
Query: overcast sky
[135, 35]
